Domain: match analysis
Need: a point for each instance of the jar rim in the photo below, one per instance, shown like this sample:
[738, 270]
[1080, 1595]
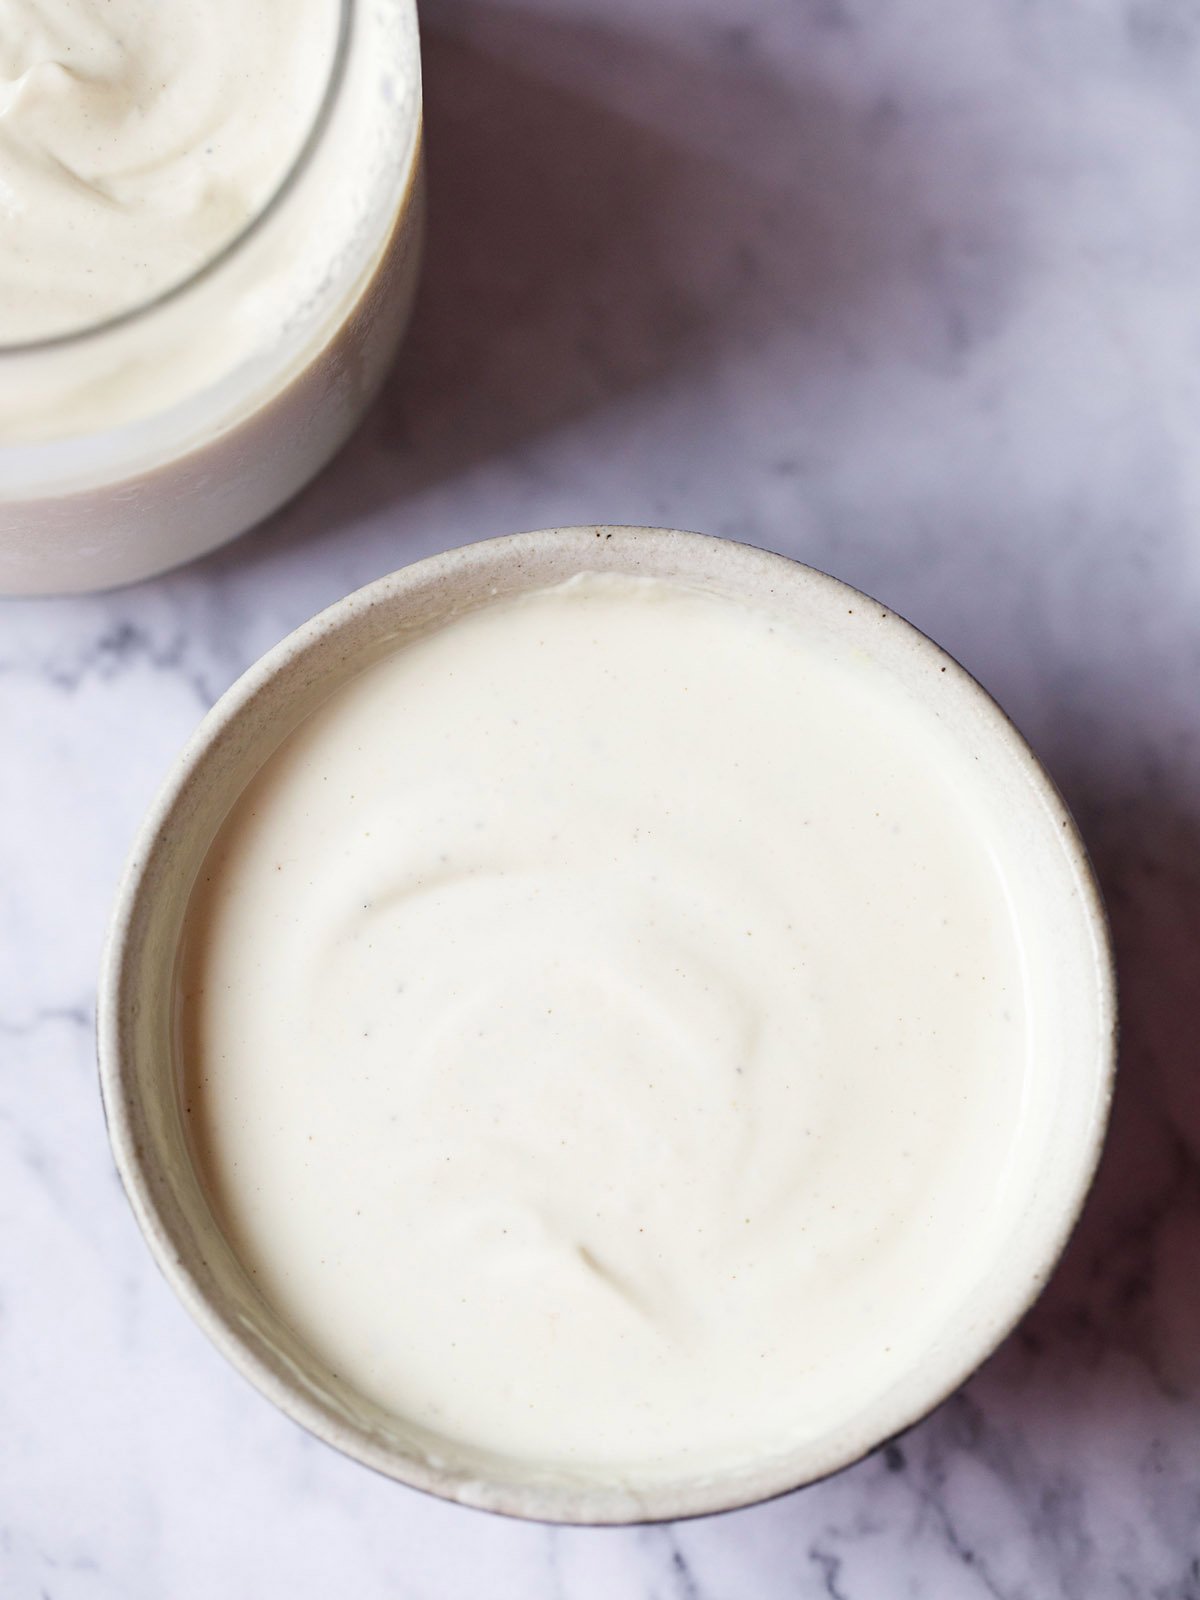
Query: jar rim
[232, 246]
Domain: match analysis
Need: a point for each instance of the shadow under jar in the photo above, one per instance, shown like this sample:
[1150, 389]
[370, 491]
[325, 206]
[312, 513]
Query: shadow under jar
[146, 434]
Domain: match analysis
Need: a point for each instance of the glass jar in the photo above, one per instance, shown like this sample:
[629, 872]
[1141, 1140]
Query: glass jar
[145, 440]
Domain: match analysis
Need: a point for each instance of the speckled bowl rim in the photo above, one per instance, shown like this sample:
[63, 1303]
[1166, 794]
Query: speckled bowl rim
[533, 1501]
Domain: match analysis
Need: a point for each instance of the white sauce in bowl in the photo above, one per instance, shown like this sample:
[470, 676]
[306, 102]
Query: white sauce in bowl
[605, 1031]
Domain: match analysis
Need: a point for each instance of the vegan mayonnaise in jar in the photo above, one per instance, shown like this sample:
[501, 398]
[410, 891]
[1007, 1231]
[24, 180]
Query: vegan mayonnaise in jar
[210, 223]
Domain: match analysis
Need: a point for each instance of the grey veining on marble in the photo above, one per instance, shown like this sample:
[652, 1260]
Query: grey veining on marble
[908, 291]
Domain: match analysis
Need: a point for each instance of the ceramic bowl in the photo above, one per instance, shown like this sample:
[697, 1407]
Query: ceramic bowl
[140, 1072]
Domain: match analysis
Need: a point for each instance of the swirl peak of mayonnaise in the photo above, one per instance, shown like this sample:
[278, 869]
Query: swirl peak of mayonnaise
[137, 139]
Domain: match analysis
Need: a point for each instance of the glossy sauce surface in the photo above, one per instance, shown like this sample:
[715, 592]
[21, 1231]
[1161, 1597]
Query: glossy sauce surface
[604, 1031]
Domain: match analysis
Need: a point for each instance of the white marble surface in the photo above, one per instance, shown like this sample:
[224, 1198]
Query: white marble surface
[911, 291]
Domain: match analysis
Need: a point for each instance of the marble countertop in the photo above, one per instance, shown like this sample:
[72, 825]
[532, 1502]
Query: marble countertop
[911, 291]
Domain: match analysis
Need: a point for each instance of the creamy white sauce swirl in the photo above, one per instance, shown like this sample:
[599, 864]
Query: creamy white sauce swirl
[605, 1032]
[139, 137]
